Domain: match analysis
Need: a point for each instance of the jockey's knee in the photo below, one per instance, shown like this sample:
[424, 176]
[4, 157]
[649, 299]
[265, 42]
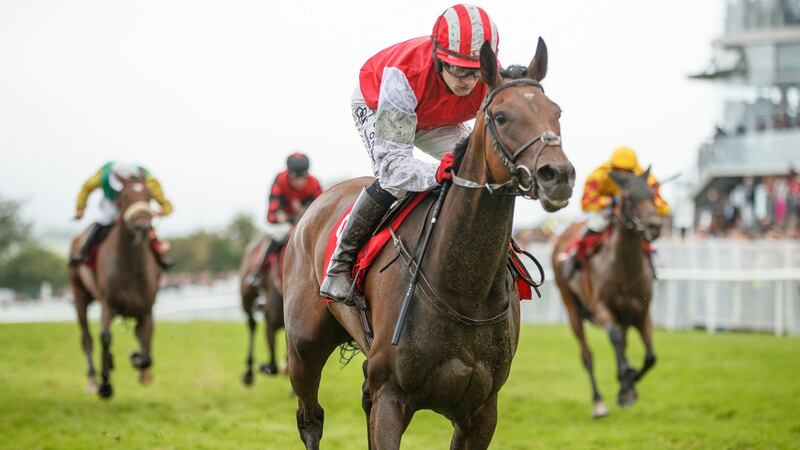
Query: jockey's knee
[384, 197]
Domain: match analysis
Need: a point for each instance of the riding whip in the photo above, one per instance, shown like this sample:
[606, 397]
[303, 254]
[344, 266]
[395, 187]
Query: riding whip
[401, 320]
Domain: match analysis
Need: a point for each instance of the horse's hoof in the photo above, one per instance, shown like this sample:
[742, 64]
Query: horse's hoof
[105, 391]
[91, 385]
[268, 368]
[146, 376]
[139, 361]
[628, 377]
[627, 398]
[600, 410]
[247, 378]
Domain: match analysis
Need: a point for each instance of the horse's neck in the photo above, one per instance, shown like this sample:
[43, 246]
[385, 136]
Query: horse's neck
[129, 255]
[471, 242]
[626, 248]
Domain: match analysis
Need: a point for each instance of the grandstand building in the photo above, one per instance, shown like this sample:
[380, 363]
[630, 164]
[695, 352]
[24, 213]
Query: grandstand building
[746, 166]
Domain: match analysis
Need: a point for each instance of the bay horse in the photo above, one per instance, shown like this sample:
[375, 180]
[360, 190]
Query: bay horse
[271, 290]
[125, 281]
[455, 353]
[619, 289]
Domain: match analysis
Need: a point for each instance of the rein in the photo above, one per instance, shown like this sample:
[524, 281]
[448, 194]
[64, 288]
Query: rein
[508, 158]
[631, 223]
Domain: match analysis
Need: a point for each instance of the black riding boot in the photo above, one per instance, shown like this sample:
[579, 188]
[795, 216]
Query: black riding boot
[571, 264]
[368, 210]
[164, 261]
[96, 234]
[254, 279]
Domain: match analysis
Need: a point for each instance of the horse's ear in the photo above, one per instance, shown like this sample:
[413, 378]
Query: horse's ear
[620, 180]
[646, 175]
[537, 69]
[488, 60]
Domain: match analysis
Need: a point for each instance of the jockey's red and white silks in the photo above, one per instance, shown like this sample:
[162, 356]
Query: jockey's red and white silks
[436, 105]
[393, 162]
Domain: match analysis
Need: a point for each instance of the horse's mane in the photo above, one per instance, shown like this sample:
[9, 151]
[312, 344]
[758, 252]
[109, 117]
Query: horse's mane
[512, 72]
[460, 151]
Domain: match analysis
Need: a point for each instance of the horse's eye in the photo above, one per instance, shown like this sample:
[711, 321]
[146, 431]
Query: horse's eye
[500, 118]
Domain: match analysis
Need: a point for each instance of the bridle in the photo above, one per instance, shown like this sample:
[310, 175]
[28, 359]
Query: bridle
[522, 179]
[626, 219]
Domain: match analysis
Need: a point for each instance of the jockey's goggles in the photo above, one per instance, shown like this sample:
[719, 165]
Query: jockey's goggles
[461, 72]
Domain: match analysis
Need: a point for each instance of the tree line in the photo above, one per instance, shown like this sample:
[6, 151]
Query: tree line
[25, 264]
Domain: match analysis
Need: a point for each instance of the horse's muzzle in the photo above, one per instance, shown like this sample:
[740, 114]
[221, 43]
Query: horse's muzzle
[555, 182]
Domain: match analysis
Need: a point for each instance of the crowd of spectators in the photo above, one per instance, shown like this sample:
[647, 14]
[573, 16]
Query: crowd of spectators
[778, 122]
[768, 207]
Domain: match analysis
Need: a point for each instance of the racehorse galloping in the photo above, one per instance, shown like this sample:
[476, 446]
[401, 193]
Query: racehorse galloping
[619, 289]
[270, 288]
[456, 350]
[125, 281]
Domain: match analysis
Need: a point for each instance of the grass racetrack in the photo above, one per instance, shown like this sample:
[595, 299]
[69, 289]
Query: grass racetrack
[734, 391]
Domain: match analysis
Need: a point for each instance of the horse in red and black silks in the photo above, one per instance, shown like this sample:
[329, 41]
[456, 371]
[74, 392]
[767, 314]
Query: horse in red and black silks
[270, 288]
[463, 327]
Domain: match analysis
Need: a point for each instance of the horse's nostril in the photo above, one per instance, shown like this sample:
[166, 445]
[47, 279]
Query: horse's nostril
[546, 173]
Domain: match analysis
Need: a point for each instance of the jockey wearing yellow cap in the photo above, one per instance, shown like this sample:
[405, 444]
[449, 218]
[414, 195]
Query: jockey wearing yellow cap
[600, 190]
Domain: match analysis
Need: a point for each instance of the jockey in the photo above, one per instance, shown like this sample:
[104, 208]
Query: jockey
[108, 208]
[291, 193]
[600, 191]
[417, 93]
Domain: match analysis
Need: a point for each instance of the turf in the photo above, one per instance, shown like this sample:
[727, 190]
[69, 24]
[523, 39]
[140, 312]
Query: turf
[735, 391]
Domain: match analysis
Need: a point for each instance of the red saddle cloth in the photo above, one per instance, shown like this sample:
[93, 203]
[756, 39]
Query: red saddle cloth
[370, 250]
[585, 246]
[91, 256]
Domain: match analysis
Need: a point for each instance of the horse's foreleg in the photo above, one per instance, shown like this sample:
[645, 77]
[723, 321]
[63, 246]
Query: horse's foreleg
[366, 401]
[305, 371]
[599, 408]
[247, 377]
[273, 317]
[476, 433]
[142, 359]
[625, 373]
[81, 305]
[389, 417]
[270, 368]
[105, 390]
[646, 331]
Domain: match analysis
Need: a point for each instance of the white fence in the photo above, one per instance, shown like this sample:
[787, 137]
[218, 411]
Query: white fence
[714, 284]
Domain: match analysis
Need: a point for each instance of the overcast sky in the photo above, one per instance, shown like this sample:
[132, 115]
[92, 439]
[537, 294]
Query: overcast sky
[212, 95]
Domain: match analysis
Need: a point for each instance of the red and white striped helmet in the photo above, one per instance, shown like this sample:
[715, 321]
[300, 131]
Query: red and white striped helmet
[459, 34]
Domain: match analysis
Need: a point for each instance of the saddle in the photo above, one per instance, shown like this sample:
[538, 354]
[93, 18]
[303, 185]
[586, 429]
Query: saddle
[391, 223]
[90, 260]
[583, 247]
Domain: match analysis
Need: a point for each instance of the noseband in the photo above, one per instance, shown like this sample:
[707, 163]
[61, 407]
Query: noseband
[630, 222]
[517, 172]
